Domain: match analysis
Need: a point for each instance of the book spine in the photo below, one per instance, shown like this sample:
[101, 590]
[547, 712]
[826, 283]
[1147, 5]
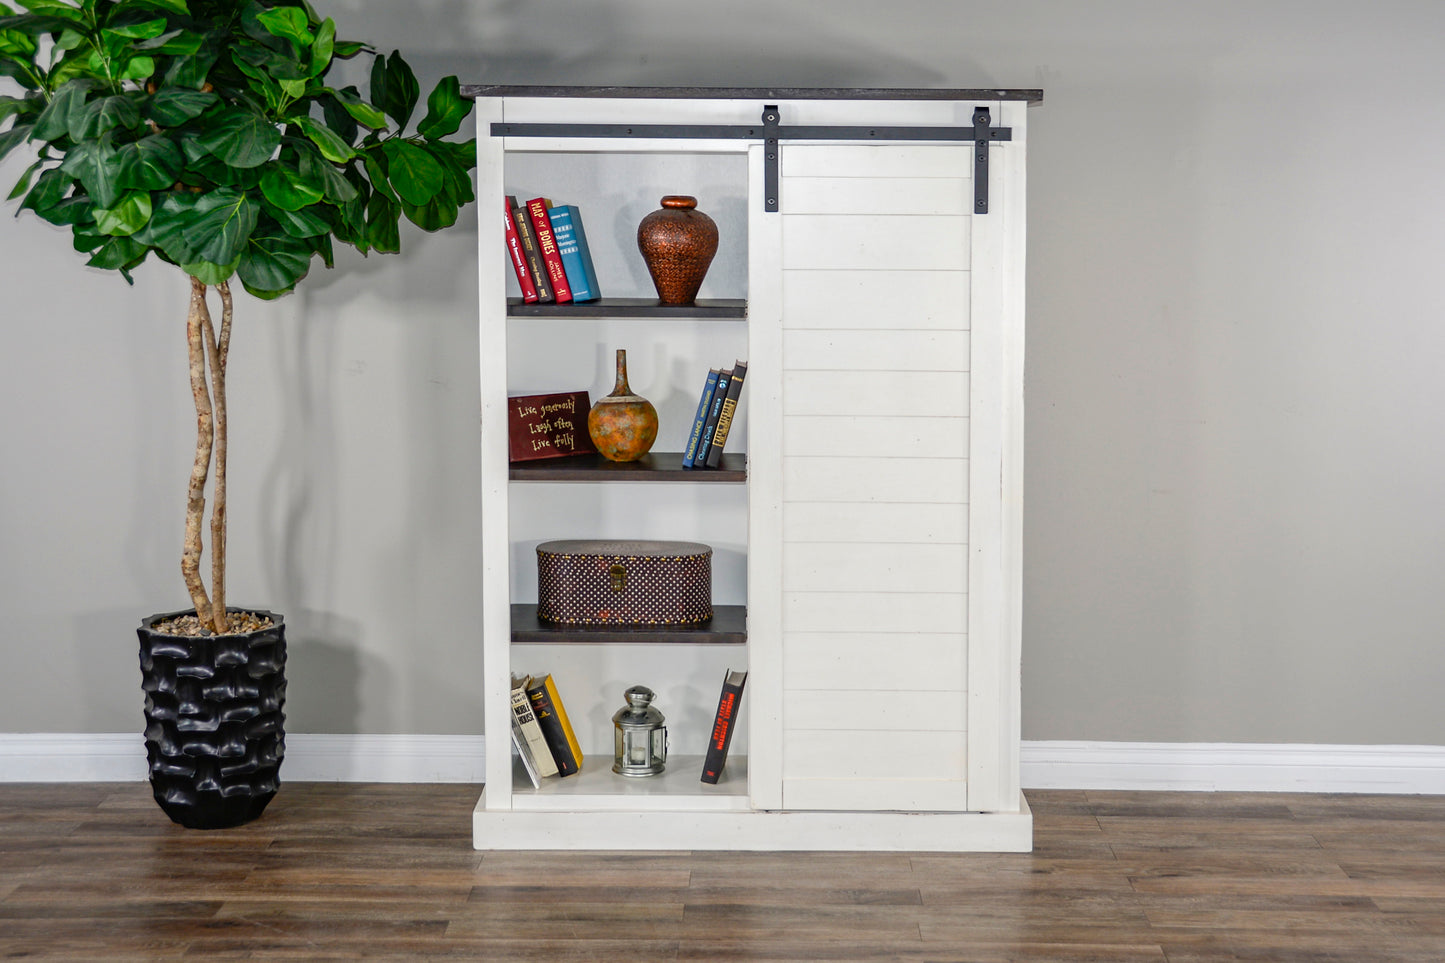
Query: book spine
[547, 244]
[564, 230]
[557, 730]
[699, 419]
[714, 412]
[724, 722]
[528, 239]
[525, 720]
[518, 256]
[725, 417]
[524, 752]
[585, 251]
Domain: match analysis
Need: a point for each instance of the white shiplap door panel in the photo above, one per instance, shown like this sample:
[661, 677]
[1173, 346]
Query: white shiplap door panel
[876, 400]
[876, 299]
[918, 480]
[888, 394]
[860, 242]
[869, 754]
[897, 661]
[901, 437]
[875, 350]
[840, 567]
[901, 795]
[871, 612]
[869, 195]
[844, 709]
[883, 163]
[858, 522]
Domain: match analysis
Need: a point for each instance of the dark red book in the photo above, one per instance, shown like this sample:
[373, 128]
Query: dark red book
[518, 256]
[723, 724]
[548, 426]
[547, 242]
[528, 237]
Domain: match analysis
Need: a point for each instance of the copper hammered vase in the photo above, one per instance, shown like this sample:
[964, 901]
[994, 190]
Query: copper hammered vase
[678, 243]
[623, 425]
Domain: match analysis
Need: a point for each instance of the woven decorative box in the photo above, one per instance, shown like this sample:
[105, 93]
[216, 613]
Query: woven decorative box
[610, 582]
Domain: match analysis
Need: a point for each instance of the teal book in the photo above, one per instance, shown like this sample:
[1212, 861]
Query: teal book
[576, 257]
[698, 420]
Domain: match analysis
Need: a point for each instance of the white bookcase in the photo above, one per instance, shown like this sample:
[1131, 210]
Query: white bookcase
[867, 537]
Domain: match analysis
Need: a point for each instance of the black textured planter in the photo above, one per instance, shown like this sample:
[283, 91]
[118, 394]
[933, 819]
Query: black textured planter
[214, 725]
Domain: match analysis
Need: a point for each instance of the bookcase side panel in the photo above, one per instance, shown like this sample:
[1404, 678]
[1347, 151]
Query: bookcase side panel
[875, 426]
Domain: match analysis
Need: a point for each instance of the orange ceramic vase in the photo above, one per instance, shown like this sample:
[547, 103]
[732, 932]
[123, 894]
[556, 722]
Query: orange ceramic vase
[623, 425]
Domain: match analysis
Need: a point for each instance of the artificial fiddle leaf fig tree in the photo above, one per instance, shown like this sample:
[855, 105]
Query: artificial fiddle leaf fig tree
[206, 134]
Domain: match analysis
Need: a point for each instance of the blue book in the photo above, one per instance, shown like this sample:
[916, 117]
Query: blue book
[704, 403]
[576, 257]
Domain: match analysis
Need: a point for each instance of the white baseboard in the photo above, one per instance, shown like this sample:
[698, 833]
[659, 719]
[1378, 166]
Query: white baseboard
[1238, 767]
[112, 757]
[1203, 767]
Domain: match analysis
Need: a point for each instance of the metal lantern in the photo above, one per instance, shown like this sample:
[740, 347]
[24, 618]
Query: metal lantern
[640, 739]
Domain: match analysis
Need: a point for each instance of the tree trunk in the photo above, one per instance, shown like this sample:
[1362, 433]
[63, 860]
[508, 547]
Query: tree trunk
[217, 347]
[198, 322]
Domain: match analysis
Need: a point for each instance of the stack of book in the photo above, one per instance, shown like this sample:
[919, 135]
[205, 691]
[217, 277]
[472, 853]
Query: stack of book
[548, 250]
[714, 417]
[541, 731]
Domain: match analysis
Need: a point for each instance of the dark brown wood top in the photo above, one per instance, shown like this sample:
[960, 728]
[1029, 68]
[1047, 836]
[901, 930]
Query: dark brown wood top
[1031, 95]
[655, 466]
[729, 626]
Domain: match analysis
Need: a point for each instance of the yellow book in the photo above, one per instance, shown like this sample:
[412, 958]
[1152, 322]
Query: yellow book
[556, 729]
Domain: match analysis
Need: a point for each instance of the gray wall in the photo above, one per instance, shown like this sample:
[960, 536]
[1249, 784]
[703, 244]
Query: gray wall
[1232, 525]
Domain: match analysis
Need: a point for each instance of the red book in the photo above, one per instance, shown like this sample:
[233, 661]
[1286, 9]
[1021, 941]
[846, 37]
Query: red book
[723, 725]
[547, 241]
[519, 258]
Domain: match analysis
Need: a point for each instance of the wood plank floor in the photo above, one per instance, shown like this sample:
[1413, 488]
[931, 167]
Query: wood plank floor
[346, 872]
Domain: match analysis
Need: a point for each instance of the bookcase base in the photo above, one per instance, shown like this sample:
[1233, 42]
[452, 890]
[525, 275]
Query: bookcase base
[754, 830]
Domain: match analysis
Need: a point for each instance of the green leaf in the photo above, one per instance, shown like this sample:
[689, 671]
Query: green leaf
[402, 90]
[192, 71]
[149, 164]
[346, 49]
[49, 191]
[337, 188]
[274, 263]
[23, 184]
[106, 113]
[295, 89]
[168, 227]
[376, 167]
[288, 189]
[14, 137]
[71, 211]
[18, 105]
[63, 111]
[138, 68]
[288, 22]
[241, 138]
[323, 48]
[332, 147]
[96, 164]
[173, 43]
[118, 253]
[335, 116]
[435, 214]
[382, 222]
[351, 101]
[303, 223]
[137, 31]
[445, 109]
[52, 8]
[174, 6]
[223, 220]
[208, 273]
[126, 217]
[413, 172]
[173, 106]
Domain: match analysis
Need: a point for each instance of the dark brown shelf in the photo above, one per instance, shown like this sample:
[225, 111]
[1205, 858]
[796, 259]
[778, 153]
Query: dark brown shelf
[1030, 95]
[706, 309]
[655, 466]
[729, 626]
